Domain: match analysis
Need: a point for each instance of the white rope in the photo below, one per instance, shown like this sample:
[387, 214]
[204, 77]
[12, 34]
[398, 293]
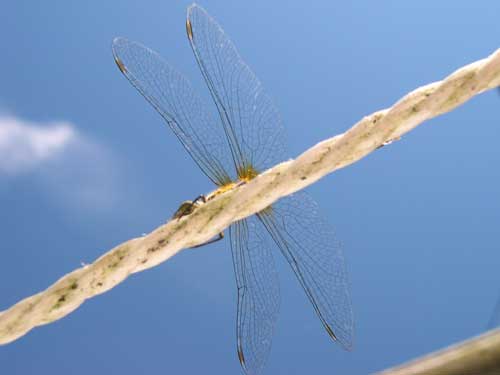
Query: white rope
[208, 220]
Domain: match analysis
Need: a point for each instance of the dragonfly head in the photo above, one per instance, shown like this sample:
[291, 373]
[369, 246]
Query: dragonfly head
[186, 208]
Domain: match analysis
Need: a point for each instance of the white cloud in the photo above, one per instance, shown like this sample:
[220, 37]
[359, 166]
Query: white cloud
[24, 145]
[73, 170]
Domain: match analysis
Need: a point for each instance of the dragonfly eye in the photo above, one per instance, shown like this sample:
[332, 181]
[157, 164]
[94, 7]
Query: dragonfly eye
[186, 208]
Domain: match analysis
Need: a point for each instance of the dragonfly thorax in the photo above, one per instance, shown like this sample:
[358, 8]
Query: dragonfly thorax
[247, 172]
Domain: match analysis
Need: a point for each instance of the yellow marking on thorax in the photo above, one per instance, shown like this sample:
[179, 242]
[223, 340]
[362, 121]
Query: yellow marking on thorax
[245, 175]
[222, 190]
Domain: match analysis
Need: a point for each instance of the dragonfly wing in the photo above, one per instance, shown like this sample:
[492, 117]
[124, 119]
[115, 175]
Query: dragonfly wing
[251, 121]
[308, 243]
[173, 97]
[495, 317]
[258, 293]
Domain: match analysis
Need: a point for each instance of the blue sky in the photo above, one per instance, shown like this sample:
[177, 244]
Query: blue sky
[88, 164]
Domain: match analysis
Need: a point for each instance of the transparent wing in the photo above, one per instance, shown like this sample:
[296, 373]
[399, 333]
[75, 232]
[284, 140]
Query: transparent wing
[172, 96]
[495, 317]
[308, 243]
[258, 293]
[251, 121]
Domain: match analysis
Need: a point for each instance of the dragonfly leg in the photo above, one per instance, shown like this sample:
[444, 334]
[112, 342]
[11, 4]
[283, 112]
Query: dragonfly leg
[388, 142]
[186, 208]
[219, 237]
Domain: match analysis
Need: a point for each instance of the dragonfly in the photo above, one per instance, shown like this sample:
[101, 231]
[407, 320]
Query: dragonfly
[245, 140]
